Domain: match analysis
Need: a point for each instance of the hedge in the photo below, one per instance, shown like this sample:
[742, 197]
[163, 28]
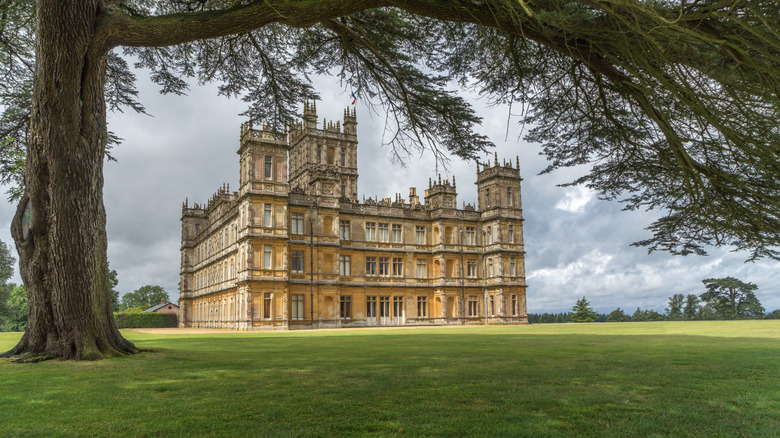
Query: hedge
[146, 320]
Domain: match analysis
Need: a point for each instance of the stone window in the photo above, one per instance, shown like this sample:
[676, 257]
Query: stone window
[396, 233]
[383, 235]
[511, 234]
[490, 267]
[384, 307]
[472, 306]
[398, 306]
[422, 307]
[398, 267]
[267, 305]
[470, 235]
[419, 233]
[370, 231]
[514, 305]
[267, 215]
[487, 197]
[384, 266]
[296, 223]
[344, 230]
[421, 271]
[509, 196]
[296, 307]
[297, 261]
[345, 307]
[471, 268]
[370, 307]
[370, 265]
[512, 267]
[344, 265]
[267, 167]
[267, 257]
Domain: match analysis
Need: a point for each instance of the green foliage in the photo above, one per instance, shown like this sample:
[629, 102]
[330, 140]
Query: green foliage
[146, 320]
[646, 315]
[16, 318]
[582, 312]
[145, 297]
[112, 283]
[692, 310]
[617, 315]
[730, 298]
[675, 310]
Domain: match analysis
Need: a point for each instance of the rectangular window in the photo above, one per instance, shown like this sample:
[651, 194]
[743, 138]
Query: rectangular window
[471, 268]
[512, 267]
[472, 306]
[490, 268]
[345, 307]
[370, 231]
[384, 307]
[343, 158]
[396, 235]
[267, 257]
[398, 267]
[343, 188]
[511, 234]
[470, 236]
[296, 223]
[398, 307]
[421, 273]
[370, 265]
[296, 263]
[383, 233]
[296, 307]
[514, 305]
[267, 305]
[384, 266]
[509, 196]
[267, 215]
[422, 307]
[487, 197]
[344, 230]
[419, 235]
[370, 307]
[344, 265]
[267, 167]
[492, 306]
[489, 235]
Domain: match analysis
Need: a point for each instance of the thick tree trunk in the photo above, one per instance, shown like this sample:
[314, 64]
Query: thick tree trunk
[63, 257]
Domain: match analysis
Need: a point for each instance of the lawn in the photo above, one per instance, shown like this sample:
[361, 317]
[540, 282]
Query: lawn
[630, 379]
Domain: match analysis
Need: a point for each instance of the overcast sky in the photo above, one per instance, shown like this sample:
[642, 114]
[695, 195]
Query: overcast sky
[575, 244]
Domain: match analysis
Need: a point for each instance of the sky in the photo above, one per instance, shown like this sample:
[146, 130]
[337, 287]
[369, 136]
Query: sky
[576, 245]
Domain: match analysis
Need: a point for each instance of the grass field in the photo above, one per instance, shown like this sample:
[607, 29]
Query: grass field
[631, 379]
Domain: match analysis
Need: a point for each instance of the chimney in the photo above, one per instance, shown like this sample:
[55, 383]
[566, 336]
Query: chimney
[162, 300]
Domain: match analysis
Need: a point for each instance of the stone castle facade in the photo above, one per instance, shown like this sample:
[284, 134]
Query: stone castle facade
[297, 250]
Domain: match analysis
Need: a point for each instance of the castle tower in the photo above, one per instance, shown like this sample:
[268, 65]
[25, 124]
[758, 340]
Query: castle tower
[501, 217]
[323, 162]
[441, 194]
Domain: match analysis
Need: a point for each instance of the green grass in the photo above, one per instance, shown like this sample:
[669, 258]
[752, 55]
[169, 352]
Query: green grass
[631, 379]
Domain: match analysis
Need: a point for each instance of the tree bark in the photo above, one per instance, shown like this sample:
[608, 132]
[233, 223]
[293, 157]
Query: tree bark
[63, 257]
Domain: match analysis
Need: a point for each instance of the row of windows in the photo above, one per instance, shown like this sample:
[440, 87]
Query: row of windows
[379, 306]
[385, 266]
[508, 197]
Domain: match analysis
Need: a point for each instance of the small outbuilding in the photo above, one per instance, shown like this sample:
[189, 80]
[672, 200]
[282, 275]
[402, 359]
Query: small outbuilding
[164, 307]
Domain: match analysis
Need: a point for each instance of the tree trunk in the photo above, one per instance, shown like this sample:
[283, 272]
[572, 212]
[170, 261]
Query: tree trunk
[63, 257]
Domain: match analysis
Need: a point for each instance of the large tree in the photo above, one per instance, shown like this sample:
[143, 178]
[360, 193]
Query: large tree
[731, 298]
[674, 102]
[145, 296]
[582, 312]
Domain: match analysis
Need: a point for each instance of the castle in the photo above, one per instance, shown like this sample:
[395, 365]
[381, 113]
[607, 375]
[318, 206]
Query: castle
[300, 251]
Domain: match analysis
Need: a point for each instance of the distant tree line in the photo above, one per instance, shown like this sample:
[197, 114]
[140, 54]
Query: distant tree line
[725, 298]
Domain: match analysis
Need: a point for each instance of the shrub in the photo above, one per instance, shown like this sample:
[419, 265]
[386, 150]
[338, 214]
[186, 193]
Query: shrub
[146, 320]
